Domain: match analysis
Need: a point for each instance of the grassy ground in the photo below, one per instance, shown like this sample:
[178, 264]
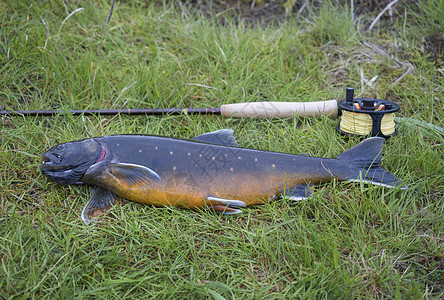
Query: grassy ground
[348, 241]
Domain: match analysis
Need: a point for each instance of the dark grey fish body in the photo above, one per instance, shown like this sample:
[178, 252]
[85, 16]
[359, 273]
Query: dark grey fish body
[210, 171]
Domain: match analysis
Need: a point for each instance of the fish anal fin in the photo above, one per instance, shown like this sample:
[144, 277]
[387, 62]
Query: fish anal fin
[227, 202]
[225, 206]
[222, 209]
[133, 174]
[299, 192]
[223, 137]
[99, 203]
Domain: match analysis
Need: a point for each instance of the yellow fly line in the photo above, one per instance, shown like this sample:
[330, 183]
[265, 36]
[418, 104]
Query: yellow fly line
[361, 124]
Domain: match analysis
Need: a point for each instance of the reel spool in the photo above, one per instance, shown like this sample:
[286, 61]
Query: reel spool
[366, 117]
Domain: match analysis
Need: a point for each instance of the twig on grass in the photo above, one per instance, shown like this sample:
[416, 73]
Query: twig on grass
[381, 13]
[48, 272]
[365, 81]
[205, 86]
[66, 19]
[123, 91]
[66, 7]
[84, 124]
[351, 10]
[409, 69]
[302, 8]
[48, 34]
[110, 15]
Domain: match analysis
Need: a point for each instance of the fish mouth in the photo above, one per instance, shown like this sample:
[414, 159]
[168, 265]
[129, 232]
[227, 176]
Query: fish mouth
[50, 160]
[67, 163]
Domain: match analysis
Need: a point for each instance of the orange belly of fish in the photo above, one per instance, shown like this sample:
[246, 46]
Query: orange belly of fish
[189, 199]
[176, 192]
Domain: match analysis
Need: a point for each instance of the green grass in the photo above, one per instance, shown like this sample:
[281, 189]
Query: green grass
[347, 241]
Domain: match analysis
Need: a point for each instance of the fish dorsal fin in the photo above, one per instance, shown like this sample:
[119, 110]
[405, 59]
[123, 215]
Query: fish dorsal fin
[133, 174]
[223, 137]
[99, 203]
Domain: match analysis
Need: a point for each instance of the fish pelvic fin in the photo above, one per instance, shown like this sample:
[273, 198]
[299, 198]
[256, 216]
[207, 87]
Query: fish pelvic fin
[364, 161]
[99, 203]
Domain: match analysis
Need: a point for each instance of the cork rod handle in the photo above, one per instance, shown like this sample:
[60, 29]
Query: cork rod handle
[260, 110]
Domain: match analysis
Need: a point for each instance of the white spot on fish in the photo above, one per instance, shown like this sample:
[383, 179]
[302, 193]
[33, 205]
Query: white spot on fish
[189, 153]
[118, 145]
[171, 152]
[239, 157]
[231, 169]
[156, 148]
[200, 155]
[255, 159]
[140, 151]
[213, 158]
[174, 168]
[273, 165]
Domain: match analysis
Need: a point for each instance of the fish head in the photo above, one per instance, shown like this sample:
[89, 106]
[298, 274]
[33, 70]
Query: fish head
[66, 163]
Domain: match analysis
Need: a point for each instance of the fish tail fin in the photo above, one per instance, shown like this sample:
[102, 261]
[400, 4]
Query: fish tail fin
[363, 161]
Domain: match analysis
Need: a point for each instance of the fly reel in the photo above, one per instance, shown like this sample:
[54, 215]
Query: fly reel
[367, 117]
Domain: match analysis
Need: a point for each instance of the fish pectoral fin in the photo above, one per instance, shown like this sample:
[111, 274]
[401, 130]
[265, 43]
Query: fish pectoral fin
[223, 137]
[299, 192]
[99, 203]
[133, 174]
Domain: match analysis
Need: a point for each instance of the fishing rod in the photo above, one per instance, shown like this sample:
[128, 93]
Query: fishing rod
[359, 116]
[257, 110]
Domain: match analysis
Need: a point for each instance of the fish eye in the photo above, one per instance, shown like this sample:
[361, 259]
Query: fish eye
[60, 147]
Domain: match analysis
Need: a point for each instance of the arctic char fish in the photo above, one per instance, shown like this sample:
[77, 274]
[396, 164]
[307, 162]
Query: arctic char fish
[209, 171]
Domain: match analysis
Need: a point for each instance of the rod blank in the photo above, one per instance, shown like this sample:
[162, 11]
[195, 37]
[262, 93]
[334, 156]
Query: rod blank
[88, 112]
